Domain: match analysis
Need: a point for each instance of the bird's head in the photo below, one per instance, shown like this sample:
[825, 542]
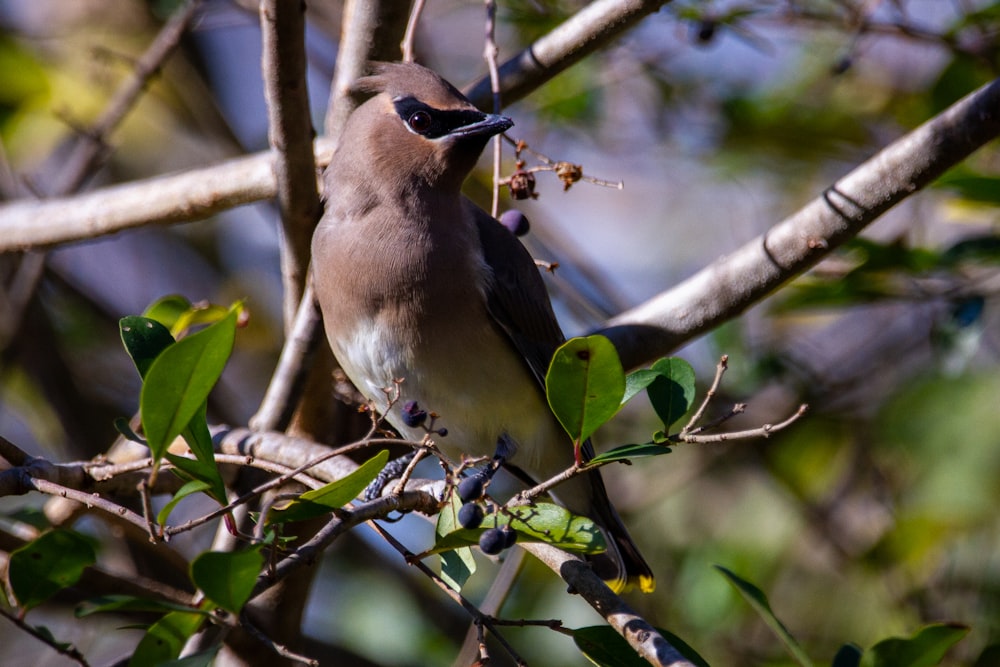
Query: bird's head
[417, 126]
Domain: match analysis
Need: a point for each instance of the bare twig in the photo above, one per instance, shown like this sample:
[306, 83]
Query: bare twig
[279, 649]
[67, 650]
[477, 615]
[760, 432]
[720, 370]
[490, 54]
[290, 134]
[411, 30]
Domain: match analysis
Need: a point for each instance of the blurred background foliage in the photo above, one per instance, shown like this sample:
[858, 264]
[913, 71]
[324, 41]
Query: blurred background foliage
[872, 516]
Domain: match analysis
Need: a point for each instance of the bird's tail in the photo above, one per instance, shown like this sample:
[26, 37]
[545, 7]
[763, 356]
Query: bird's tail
[621, 567]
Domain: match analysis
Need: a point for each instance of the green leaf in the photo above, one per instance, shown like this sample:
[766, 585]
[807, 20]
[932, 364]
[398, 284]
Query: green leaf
[127, 603]
[637, 381]
[192, 487]
[164, 639]
[168, 310]
[606, 648]
[924, 649]
[179, 314]
[585, 384]
[758, 601]
[672, 393]
[179, 379]
[46, 565]
[629, 452]
[227, 578]
[541, 522]
[334, 495]
[457, 565]
[144, 340]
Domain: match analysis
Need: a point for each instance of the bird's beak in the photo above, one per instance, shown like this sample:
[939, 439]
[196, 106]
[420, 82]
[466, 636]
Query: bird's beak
[489, 125]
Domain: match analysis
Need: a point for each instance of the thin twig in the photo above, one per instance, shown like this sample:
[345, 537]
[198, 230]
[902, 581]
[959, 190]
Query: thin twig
[67, 650]
[761, 432]
[490, 52]
[279, 649]
[89, 500]
[720, 370]
[448, 590]
[411, 30]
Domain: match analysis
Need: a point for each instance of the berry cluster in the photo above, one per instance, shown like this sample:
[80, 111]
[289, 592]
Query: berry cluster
[414, 416]
[471, 514]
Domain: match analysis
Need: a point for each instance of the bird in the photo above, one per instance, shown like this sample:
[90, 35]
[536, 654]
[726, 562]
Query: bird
[415, 282]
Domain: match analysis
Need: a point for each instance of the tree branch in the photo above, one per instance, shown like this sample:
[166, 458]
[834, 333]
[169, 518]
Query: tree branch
[591, 28]
[730, 285]
[290, 134]
[183, 197]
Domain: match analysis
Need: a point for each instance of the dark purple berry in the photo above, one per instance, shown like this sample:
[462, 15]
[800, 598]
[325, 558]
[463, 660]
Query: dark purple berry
[509, 537]
[492, 541]
[515, 221]
[443, 432]
[472, 488]
[470, 515]
[413, 416]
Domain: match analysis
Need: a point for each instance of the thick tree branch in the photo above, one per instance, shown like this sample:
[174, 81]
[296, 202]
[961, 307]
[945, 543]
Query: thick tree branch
[590, 29]
[183, 197]
[290, 134]
[730, 285]
[372, 30]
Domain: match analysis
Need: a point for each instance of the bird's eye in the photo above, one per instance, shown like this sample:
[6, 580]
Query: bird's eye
[419, 121]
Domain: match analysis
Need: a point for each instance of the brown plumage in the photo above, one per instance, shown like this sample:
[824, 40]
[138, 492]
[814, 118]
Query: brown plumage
[416, 282]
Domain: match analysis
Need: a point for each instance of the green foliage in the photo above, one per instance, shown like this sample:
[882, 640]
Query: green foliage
[332, 496]
[165, 638]
[227, 578]
[48, 564]
[177, 378]
[585, 384]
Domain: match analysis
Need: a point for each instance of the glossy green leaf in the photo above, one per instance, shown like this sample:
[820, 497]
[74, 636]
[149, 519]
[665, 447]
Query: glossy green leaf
[165, 639]
[178, 314]
[457, 565]
[334, 495]
[585, 384]
[629, 452]
[46, 565]
[672, 392]
[604, 647]
[227, 578]
[179, 380]
[758, 601]
[189, 488]
[924, 649]
[541, 522]
[144, 340]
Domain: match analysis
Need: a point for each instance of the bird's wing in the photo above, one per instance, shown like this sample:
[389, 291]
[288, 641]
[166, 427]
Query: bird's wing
[516, 297]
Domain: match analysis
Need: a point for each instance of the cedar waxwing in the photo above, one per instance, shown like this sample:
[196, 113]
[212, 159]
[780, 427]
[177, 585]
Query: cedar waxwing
[416, 282]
